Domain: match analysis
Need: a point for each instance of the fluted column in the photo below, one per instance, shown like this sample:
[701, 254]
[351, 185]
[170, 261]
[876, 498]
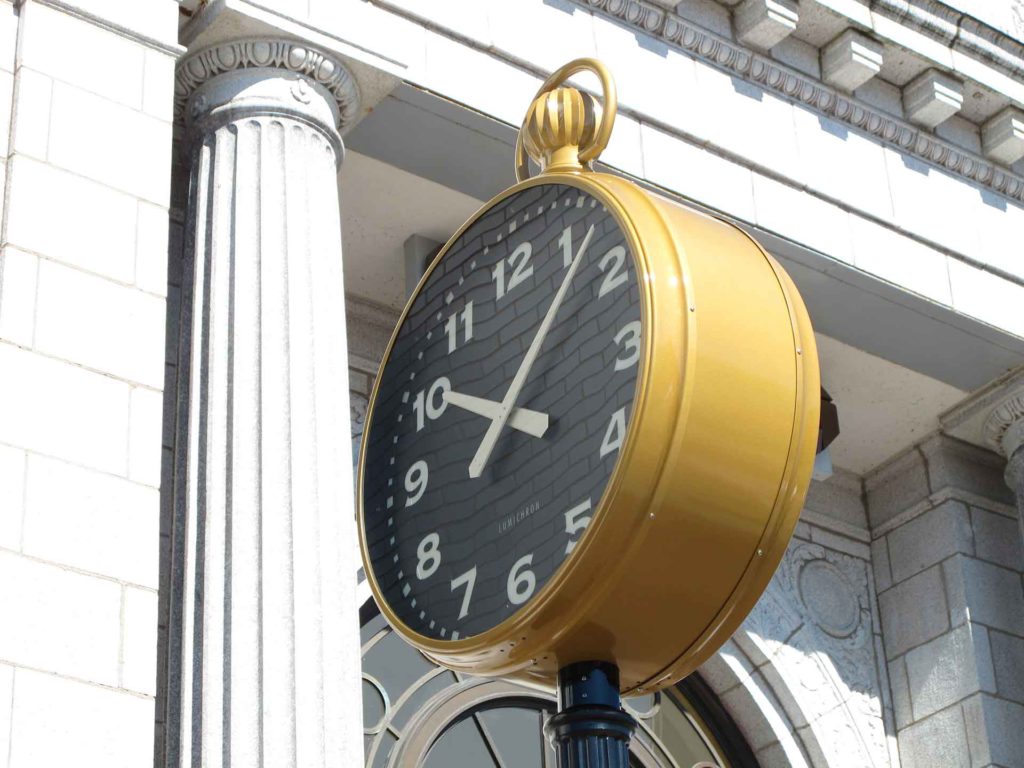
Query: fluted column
[263, 637]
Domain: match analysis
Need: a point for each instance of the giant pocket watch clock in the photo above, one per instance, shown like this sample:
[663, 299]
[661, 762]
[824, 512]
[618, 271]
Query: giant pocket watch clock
[593, 428]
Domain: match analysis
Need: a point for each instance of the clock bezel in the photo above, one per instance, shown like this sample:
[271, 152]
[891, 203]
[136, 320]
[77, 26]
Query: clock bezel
[676, 554]
[511, 631]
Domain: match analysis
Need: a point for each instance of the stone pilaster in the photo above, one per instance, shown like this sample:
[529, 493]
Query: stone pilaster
[1004, 430]
[1015, 479]
[993, 418]
[947, 562]
[263, 651]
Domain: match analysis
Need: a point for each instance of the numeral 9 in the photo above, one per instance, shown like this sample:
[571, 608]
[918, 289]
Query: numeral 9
[416, 482]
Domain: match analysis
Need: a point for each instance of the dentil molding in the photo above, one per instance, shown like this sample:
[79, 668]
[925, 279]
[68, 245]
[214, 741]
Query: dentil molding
[288, 55]
[732, 57]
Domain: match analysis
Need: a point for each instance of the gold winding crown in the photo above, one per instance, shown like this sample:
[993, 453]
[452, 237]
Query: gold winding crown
[566, 129]
[558, 124]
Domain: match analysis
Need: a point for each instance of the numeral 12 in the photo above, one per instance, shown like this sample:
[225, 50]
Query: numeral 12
[519, 261]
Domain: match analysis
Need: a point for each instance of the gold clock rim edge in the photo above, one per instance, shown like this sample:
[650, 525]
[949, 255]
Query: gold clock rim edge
[502, 633]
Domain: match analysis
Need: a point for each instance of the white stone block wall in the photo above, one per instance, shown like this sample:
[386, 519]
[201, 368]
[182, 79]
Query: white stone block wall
[86, 89]
[905, 652]
[948, 562]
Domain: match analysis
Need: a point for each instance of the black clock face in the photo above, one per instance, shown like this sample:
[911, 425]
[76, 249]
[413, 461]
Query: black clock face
[501, 411]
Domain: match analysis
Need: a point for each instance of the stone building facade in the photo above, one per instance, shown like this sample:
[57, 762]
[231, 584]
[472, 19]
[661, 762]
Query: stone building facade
[211, 214]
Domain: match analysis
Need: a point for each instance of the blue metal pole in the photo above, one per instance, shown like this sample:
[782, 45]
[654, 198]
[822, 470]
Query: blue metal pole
[590, 730]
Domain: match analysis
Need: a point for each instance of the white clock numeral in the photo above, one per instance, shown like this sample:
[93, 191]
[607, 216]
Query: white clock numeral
[521, 581]
[614, 433]
[428, 556]
[576, 521]
[416, 482]
[565, 243]
[424, 404]
[519, 261]
[469, 579]
[451, 329]
[616, 276]
[628, 336]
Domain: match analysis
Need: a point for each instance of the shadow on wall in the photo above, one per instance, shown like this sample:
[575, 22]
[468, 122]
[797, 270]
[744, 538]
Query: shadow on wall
[799, 677]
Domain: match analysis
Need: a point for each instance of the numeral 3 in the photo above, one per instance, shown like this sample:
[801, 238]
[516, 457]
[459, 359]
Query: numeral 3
[629, 337]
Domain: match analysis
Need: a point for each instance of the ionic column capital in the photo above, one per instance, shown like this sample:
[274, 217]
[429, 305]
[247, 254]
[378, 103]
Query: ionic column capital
[257, 76]
[992, 417]
[1004, 428]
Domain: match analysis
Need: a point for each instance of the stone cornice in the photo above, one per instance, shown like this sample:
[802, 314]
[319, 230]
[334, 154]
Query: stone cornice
[957, 30]
[732, 57]
[991, 45]
[289, 55]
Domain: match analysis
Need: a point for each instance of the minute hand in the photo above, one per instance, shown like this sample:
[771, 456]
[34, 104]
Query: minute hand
[483, 453]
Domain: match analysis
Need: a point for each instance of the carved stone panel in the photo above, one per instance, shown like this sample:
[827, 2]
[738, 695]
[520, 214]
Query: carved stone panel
[811, 635]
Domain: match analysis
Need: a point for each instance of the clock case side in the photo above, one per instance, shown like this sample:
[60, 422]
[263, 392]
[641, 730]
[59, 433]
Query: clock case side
[797, 350]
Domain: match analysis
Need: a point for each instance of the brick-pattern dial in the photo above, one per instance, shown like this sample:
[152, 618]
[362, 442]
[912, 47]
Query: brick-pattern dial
[453, 555]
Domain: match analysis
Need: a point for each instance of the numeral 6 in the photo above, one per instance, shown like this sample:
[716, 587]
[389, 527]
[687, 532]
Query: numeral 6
[521, 581]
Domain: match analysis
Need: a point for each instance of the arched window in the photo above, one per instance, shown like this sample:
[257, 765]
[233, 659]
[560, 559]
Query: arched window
[419, 715]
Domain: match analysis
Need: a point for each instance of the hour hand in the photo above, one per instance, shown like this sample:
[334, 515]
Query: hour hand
[533, 423]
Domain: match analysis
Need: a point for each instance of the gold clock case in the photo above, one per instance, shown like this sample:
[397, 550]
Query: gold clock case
[711, 476]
